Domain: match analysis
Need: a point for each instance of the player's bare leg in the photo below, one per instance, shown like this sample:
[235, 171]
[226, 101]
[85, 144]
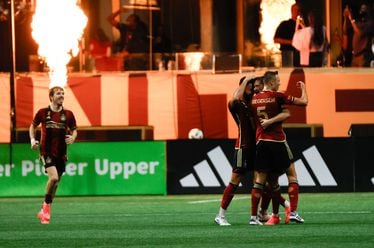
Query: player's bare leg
[53, 179]
[227, 196]
[256, 194]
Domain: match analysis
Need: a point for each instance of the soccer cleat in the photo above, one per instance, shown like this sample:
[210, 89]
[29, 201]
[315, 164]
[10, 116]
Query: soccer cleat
[42, 218]
[263, 216]
[287, 212]
[47, 211]
[295, 217]
[274, 220]
[221, 221]
[44, 214]
[255, 221]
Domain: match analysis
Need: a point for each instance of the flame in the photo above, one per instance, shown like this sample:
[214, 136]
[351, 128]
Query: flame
[57, 27]
[273, 13]
[193, 60]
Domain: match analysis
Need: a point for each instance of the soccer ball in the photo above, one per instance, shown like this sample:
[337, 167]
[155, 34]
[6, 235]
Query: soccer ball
[195, 133]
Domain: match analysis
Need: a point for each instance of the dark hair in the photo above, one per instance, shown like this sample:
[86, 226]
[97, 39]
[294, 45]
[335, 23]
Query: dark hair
[261, 79]
[241, 80]
[318, 34]
[269, 76]
[252, 81]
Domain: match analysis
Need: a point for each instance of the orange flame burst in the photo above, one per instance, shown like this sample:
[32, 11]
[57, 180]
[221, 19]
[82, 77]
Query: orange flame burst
[57, 27]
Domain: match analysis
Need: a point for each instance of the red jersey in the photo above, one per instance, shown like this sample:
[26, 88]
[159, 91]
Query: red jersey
[268, 104]
[55, 125]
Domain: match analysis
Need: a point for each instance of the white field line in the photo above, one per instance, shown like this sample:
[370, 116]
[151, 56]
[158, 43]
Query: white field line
[202, 213]
[217, 200]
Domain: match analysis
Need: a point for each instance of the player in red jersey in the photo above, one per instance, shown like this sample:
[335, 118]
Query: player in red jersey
[293, 185]
[58, 129]
[273, 156]
[245, 146]
[266, 194]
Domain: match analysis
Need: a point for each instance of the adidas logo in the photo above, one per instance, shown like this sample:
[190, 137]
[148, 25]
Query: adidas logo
[221, 164]
[206, 174]
[318, 167]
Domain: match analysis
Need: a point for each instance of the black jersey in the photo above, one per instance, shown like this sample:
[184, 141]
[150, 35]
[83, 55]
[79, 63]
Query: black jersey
[245, 119]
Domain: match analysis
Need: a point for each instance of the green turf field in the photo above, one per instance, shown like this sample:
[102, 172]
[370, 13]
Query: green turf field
[331, 220]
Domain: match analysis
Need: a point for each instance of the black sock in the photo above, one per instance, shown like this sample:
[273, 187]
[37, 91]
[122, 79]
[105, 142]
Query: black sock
[48, 198]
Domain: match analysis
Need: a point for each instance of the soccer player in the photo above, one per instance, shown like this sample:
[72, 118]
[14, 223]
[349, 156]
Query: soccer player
[293, 186]
[258, 85]
[266, 196]
[245, 146]
[58, 129]
[273, 156]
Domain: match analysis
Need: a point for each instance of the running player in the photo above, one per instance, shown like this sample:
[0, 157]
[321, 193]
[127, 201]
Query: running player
[58, 131]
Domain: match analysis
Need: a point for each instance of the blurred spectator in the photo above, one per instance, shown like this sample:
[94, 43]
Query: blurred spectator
[345, 56]
[311, 41]
[133, 41]
[283, 35]
[363, 30]
[133, 33]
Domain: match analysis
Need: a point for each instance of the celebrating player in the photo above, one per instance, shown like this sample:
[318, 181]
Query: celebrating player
[58, 130]
[245, 146]
[273, 156]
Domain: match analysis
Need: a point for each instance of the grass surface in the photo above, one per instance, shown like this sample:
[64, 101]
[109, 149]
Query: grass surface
[331, 220]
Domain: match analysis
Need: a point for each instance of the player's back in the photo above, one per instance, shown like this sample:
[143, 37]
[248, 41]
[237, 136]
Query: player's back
[268, 104]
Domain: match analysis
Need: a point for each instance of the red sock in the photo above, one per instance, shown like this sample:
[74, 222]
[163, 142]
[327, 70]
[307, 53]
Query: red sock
[293, 193]
[266, 197]
[228, 194]
[256, 194]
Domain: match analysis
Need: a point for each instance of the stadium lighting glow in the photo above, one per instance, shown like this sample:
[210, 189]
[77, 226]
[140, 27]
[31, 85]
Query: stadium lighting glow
[192, 60]
[273, 12]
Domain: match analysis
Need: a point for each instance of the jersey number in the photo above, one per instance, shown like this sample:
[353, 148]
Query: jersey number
[261, 113]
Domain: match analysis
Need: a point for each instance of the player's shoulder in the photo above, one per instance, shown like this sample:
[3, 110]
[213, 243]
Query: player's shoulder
[68, 112]
[43, 110]
[259, 94]
[279, 93]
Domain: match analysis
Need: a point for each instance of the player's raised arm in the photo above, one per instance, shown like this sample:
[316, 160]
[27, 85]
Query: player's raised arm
[303, 99]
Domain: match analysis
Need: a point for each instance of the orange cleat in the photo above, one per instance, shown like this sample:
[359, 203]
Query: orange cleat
[274, 220]
[44, 214]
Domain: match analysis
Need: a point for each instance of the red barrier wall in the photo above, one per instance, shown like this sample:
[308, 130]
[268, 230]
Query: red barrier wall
[174, 102]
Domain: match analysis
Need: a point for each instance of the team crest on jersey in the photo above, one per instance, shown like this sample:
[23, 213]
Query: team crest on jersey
[48, 117]
[63, 117]
[48, 160]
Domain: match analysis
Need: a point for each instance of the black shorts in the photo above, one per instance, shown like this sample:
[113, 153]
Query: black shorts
[273, 157]
[49, 161]
[244, 160]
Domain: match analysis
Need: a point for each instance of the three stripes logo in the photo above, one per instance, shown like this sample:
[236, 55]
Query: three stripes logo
[318, 167]
[205, 174]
